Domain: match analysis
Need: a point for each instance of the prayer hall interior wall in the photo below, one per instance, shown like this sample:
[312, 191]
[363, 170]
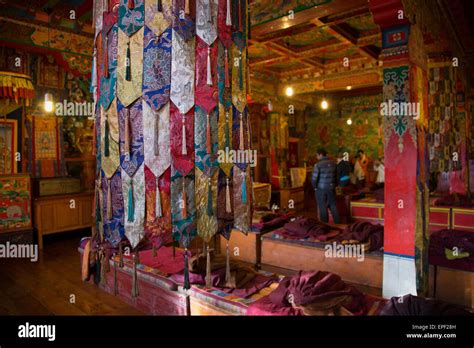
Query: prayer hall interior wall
[329, 128]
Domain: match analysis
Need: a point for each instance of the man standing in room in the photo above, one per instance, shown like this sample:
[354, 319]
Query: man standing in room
[324, 183]
[360, 169]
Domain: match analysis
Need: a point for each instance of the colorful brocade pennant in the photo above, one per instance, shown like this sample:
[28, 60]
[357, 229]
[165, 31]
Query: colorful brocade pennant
[112, 208]
[157, 68]
[206, 204]
[158, 15]
[108, 82]
[130, 67]
[131, 16]
[184, 18]
[133, 188]
[183, 209]
[242, 199]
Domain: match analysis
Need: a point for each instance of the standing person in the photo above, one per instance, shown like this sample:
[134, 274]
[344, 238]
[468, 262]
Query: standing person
[380, 169]
[360, 169]
[343, 171]
[324, 183]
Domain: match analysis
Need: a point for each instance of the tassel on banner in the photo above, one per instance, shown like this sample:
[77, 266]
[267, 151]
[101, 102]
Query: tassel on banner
[241, 74]
[186, 286]
[131, 205]
[153, 250]
[106, 57]
[208, 135]
[98, 213]
[208, 267]
[241, 133]
[131, 4]
[209, 72]
[105, 6]
[184, 150]
[159, 6]
[156, 144]
[185, 198]
[186, 7]
[209, 198]
[109, 200]
[228, 206]
[247, 122]
[158, 210]
[227, 129]
[135, 276]
[120, 255]
[244, 189]
[127, 132]
[106, 137]
[226, 68]
[227, 266]
[228, 18]
[115, 278]
[128, 63]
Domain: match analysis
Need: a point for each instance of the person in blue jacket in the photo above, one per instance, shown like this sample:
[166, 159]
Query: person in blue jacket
[324, 180]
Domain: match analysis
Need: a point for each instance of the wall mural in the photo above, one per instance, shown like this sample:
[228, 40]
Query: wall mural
[334, 134]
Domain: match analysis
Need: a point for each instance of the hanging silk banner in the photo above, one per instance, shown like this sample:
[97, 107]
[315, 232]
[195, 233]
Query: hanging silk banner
[241, 138]
[131, 16]
[110, 14]
[239, 23]
[183, 210]
[224, 23]
[206, 94]
[131, 136]
[112, 209]
[158, 228]
[98, 16]
[134, 205]
[206, 204]
[225, 203]
[130, 67]
[242, 199]
[158, 15]
[157, 68]
[156, 131]
[205, 140]
[206, 20]
[184, 18]
[239, 66]
[182, 72]
[110, 153]
[108, 77]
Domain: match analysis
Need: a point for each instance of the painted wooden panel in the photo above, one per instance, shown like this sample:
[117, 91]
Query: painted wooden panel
[463, 219]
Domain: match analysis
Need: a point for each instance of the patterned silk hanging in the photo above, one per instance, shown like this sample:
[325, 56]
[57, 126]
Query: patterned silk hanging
[206, 20]
[131, 16]
[110, 153]
[239, 27]
[112, 208]
[98, 16]
[108, 82]
[157, 68]
[158, 227]
[131, 139]
[182, 72]
[156, 131]
[184, 18]
[110, 14]
[225, 203]
[130, 67]
[206, 139]
[206, 204]
[224, 23]
[183, 211]
[133, 188]
[239, 66]
[158, 15]
[242, 199]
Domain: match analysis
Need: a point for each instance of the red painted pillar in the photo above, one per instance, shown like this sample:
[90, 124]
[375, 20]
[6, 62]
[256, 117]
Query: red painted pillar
[406, 206]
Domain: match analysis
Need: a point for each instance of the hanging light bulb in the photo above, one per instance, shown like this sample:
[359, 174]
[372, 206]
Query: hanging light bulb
[324, 104]
[349, 88]
[289, 91]
[48, 102]
[270, 105]
[349, 121]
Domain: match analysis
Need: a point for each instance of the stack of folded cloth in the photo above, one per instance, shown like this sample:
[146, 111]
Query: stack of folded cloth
[453, 249]
[365, 233]
[267, 221]
[309, 228]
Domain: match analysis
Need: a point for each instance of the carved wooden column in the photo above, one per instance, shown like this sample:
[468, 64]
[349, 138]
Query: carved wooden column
[406, 194]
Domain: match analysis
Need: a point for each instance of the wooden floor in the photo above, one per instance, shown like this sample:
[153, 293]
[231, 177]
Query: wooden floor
[45, 287]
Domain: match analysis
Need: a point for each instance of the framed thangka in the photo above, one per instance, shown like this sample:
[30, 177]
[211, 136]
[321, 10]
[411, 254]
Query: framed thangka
[15, 202]
[8, 146]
